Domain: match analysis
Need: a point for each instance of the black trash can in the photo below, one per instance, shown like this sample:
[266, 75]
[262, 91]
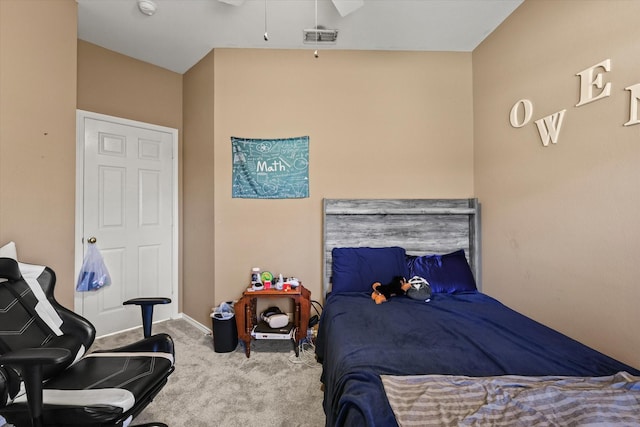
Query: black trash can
[225, 332]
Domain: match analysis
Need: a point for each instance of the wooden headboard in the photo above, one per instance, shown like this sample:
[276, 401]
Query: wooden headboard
[421, 226]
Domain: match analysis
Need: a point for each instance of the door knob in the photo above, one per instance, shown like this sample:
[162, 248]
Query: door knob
[92, 240]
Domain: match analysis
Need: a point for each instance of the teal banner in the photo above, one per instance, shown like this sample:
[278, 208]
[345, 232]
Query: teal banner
[270, 168]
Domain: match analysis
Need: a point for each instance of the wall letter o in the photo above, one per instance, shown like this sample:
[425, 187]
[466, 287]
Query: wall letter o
[515, 110]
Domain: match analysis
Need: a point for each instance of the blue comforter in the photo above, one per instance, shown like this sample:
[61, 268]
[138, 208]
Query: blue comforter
[461, 334]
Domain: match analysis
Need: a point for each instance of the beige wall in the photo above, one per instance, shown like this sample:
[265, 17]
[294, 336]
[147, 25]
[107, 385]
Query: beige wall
[117, 85]
[198, 190]
[381, 124]
[37, 134]
[560, 223]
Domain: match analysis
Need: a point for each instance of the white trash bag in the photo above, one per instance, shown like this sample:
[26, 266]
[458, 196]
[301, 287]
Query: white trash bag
[224, 311]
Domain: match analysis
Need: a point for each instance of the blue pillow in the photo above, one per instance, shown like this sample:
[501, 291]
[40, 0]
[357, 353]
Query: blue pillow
[448, 274]
[356, 269]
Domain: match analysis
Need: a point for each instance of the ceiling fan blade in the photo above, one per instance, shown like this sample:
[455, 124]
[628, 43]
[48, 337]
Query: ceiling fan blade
[345, 7]
[232, 2]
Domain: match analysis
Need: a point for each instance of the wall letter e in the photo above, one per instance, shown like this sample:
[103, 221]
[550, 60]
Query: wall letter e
[588, 82]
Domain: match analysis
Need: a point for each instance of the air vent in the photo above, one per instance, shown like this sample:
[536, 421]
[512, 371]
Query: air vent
[320, 35]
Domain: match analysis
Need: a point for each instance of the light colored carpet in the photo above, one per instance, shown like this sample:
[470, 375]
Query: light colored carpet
[271, 388]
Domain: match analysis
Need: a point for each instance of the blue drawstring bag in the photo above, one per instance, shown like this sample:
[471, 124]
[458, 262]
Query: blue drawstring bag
[93, 274]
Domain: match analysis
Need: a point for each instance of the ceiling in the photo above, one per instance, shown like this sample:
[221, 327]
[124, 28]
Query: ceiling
[181, 32]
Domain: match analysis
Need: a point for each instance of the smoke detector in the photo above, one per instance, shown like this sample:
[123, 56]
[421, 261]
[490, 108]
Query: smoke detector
[319, 35]
[147, 7]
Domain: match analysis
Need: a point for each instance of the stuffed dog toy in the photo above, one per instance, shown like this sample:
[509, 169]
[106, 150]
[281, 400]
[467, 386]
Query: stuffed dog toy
[397, 286]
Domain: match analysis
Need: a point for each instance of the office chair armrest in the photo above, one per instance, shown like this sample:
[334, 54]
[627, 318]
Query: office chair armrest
[29, 361]
[147, 300]
[146, 304]
[30, 357]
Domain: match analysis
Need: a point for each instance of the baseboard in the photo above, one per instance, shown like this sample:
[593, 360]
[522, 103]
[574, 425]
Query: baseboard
[189, 319]
[194, 322]
[114, 333]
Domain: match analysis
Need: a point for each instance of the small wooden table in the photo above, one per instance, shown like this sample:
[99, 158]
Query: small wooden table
[245, 310]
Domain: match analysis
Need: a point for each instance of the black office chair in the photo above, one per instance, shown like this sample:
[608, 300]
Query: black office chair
[44, 345]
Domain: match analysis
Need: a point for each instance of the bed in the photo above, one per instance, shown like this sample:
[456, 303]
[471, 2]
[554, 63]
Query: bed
[460, 358]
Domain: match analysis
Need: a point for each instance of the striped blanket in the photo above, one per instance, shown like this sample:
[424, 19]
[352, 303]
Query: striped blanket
[444, 400]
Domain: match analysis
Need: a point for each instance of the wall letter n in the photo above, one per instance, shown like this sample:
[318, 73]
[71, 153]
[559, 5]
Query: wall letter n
[633, 105]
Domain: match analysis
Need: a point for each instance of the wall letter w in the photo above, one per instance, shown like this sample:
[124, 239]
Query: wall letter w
[549, 127]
